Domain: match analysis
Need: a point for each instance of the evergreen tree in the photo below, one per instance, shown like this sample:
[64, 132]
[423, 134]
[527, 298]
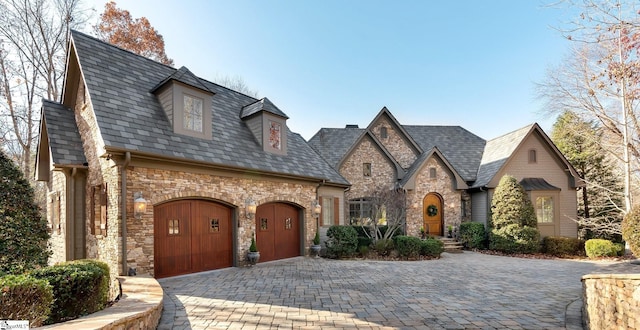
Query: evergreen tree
[600, 199]
[513, 220]
[23, 231]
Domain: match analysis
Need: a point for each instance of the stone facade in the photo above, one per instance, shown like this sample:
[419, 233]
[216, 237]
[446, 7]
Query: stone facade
[394, 143]
[383, 174]
[611, 301]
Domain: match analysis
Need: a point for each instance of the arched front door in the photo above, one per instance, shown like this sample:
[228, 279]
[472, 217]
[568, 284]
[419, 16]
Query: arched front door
[432, 214]
[277, 231]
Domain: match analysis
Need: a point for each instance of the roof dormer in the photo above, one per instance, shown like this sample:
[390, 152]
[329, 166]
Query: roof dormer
[268, 125]
[187, 103]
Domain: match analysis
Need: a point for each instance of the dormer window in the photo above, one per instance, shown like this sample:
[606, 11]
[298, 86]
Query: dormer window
[268, 125]
[192, 116]
[275, 135]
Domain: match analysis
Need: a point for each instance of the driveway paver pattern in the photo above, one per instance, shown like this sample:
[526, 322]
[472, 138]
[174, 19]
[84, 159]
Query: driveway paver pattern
[458, 291]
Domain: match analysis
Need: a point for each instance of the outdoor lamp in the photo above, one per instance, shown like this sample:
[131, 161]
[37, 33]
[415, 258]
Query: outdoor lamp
[139, 205]
[250, 208]
[315, 208]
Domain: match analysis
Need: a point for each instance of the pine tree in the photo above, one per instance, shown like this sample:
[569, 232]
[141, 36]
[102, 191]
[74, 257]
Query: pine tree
[23, 231]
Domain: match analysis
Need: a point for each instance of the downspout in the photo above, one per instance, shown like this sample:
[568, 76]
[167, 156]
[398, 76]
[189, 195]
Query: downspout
[123, 196]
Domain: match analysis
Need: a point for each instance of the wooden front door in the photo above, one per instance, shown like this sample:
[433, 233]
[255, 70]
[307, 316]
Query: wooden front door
[432, 214]
[277, 231]
[191, 236]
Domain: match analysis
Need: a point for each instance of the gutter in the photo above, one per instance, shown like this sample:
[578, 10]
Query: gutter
[123, 196]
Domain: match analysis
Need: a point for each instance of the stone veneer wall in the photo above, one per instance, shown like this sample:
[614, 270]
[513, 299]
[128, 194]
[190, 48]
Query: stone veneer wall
[611, 301]
[162, 185]
[442, 185]
[395, 144]
[383, 174]
[57, 184]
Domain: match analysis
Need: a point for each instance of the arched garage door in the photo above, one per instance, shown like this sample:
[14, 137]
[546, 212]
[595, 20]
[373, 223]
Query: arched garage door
[191, 236]
[277, 231]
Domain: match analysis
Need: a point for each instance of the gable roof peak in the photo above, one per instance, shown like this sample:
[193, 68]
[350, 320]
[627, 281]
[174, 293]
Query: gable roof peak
[263, 104]
[186, 77]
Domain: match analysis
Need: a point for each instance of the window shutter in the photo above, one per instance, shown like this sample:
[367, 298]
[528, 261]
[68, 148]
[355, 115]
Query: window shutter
[336, 211]
[103, 209]
[92, 207]
[320, 216]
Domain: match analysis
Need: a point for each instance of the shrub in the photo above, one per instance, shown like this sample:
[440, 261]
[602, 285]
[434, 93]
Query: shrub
[384, 247]
[23, 230]
[515, 239]
[563, 246]
[342, 241]
[472, 235]
[364, 242]
[631, 230]
[431, 247]
[363, 250]
[407, 246]
[23, 297]
[80, 287]
[601, 248]
[365, 231]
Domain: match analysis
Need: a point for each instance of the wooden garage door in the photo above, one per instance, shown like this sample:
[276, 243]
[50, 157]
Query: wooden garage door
[191, 236]
[277, 231]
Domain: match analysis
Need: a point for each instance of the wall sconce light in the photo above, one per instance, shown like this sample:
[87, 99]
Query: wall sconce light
[316, 208]
[139, 205]
[250, 208]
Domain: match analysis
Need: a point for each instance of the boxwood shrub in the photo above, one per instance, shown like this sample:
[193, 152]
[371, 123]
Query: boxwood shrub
[431, 247]
[407, 246]
[80, 287]
[602, 248]
[473, 235]
[23, 297]
[563, 246]
[342, 241]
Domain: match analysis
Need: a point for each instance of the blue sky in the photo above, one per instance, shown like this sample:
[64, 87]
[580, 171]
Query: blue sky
[330, 63]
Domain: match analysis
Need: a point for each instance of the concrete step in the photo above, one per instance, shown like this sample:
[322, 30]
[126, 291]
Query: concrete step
[451, 245]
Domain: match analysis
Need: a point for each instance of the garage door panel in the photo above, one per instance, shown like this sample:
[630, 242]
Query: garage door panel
[215, 236]
[277, 231]
[172, 248]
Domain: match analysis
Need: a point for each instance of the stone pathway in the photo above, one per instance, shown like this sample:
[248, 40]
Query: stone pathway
[458, 291]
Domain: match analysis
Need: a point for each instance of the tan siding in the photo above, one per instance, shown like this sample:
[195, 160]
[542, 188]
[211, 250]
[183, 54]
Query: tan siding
[397, 146]
[479, 208]
[549, 168]
[338, 195]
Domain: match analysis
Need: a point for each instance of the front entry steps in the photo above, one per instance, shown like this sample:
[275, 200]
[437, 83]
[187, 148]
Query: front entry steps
[451, 245]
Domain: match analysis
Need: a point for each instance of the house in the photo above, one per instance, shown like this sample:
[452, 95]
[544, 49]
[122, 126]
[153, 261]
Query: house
[154, 169]
[449, 174]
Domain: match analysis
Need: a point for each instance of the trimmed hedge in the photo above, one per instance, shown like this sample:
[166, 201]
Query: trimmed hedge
[563, 246]
[23, 297]
[473, 235]
[602, 248]
[342, 241]
[80, 287]
[431, 247]
[407, 246]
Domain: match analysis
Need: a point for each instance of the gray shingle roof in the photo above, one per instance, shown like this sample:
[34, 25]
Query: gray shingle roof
[184, 76]
[537, 184]
[497, 152]
[334, 143]
[460, 147]
[64, 137]
[131, 118]
[263, 104]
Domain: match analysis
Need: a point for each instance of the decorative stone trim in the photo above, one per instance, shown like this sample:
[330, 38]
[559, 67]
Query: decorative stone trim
[139, 308]
[611, 301]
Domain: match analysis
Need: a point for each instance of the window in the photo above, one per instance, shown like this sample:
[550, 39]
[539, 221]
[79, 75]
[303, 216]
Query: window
[383, 132]
[287, 224]
[215, 226]
[264, 224]
[360, 211]
[327, 211]
[54, 220]
[174, 227]
[544, 209]
[99, 210]
[532, 156]
[192, 115]
[275, 135]
[366, 169]
[432, 173]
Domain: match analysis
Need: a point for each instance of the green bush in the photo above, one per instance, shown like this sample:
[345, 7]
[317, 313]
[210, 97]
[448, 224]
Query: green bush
[515, 239]
[365, 231]
[342, 241]
[407, 246]
[472, 235]
[631, 230]
[384, 247]
[431, 247]
[563, 246]
[23, 231]
[23, 297]
[601, 248]
[80, 287]
[364, 242]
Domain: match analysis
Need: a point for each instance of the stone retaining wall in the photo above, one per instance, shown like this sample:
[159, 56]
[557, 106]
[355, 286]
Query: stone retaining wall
[611, 301]
[140, 307]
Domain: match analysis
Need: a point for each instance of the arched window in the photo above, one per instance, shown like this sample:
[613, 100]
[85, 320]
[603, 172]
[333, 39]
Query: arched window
[532, 156]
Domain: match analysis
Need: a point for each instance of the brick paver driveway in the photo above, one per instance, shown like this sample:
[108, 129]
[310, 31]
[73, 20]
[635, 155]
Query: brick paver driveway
[458, 291]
